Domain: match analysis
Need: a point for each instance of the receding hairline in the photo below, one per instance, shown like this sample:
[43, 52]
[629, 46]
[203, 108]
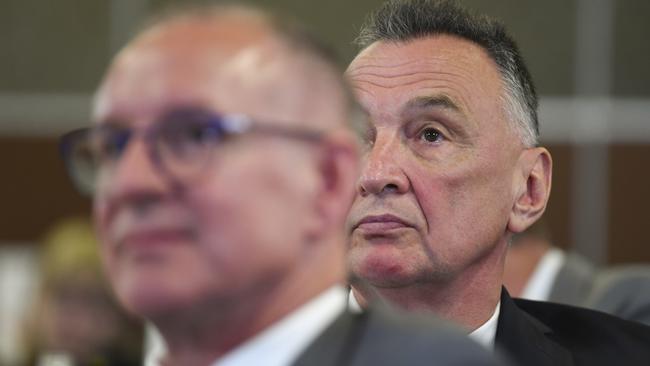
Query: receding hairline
[269, 25]
[303, 48]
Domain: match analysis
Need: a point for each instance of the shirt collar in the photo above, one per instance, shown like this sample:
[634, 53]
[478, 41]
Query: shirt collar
[282, 343]
[486, 333]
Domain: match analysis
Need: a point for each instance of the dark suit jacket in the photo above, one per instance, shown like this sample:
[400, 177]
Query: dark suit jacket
[541, 333]
[381, 337]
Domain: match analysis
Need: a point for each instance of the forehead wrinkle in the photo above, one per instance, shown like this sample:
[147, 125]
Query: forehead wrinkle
[459, 77]
[433, 94]
[384, 63]
[413, 78]
[403, 75]
[426, 102]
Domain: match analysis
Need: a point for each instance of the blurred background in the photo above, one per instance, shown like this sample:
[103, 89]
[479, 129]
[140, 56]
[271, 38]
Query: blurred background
[589, 58]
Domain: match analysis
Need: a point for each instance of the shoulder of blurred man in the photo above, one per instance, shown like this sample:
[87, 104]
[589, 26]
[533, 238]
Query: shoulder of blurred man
[544, 333]
[622, 290]
[574, 280]
[386, 336]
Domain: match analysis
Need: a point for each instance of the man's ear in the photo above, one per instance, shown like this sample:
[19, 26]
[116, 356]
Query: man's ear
[338, 166]
[534, 188]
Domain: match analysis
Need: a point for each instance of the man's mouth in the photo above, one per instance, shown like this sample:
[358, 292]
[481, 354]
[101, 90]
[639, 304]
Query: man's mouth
[154, 237]
[378, 224]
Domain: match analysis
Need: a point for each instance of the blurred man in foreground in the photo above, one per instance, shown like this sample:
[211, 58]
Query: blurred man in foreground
[451, 171]
[222, 164]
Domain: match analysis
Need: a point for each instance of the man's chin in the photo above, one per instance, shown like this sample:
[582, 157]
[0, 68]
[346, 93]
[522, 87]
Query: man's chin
[153, 303]
[147, 293]
[382, 274]
[379, 265]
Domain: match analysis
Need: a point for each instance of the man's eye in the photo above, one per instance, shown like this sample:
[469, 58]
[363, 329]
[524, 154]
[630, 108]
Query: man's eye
[110, 146]
[196, 134]
[431, 135]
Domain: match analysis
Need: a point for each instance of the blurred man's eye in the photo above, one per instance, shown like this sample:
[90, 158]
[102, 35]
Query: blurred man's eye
[110, 145]
[199, 134]
[187, 139]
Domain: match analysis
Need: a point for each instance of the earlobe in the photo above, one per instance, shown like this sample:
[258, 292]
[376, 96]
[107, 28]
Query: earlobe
[536, 168]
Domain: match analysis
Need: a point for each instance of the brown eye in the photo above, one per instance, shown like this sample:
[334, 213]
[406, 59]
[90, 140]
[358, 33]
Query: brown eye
[431, 135]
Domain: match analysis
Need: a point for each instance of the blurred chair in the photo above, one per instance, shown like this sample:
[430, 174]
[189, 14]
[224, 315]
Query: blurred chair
[75, 320]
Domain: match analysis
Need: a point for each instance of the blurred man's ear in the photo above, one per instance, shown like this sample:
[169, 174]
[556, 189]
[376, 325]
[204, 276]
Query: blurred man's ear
[533, 190]
[339, 170]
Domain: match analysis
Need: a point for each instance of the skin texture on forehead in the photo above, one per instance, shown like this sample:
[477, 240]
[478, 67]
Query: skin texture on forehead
[229, 46]
[474, 81]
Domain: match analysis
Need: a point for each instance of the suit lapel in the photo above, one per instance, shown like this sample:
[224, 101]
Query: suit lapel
[527, 340]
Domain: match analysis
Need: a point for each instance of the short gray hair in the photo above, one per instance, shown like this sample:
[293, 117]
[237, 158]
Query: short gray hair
[402, 21]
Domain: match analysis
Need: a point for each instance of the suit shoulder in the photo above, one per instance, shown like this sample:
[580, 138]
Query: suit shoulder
[560, 316]
[582, 329]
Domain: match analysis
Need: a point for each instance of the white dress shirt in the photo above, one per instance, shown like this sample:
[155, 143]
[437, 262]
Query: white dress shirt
[278, 345]
[483, 335]
[540, 283]
[284, 341]
[486, 333]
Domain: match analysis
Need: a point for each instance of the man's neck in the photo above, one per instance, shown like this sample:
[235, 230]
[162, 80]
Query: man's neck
[521, 262]
[193, 339]
[201, 335]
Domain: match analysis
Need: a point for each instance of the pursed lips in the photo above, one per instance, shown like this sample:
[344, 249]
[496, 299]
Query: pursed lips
[137, 234]
[160, 223]
[378, 224]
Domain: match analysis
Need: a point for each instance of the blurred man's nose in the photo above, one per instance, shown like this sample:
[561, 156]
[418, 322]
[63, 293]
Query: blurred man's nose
[381, 172]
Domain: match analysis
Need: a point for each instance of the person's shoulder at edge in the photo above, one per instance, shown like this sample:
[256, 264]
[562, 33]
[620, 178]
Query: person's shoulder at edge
[605, 336]
[624, 291]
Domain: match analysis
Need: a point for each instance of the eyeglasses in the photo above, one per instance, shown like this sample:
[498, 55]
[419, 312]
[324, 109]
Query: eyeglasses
[180, 145]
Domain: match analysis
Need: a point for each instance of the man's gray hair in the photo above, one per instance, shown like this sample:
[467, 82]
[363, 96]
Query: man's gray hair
[406, 20]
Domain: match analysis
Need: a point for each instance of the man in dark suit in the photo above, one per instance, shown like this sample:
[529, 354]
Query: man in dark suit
[222, 163]
[452, 169]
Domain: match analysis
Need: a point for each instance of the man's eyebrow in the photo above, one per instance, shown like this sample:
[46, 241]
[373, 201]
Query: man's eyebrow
[433, 101]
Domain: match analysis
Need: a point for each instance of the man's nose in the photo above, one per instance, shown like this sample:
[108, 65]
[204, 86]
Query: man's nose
[381, 172]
